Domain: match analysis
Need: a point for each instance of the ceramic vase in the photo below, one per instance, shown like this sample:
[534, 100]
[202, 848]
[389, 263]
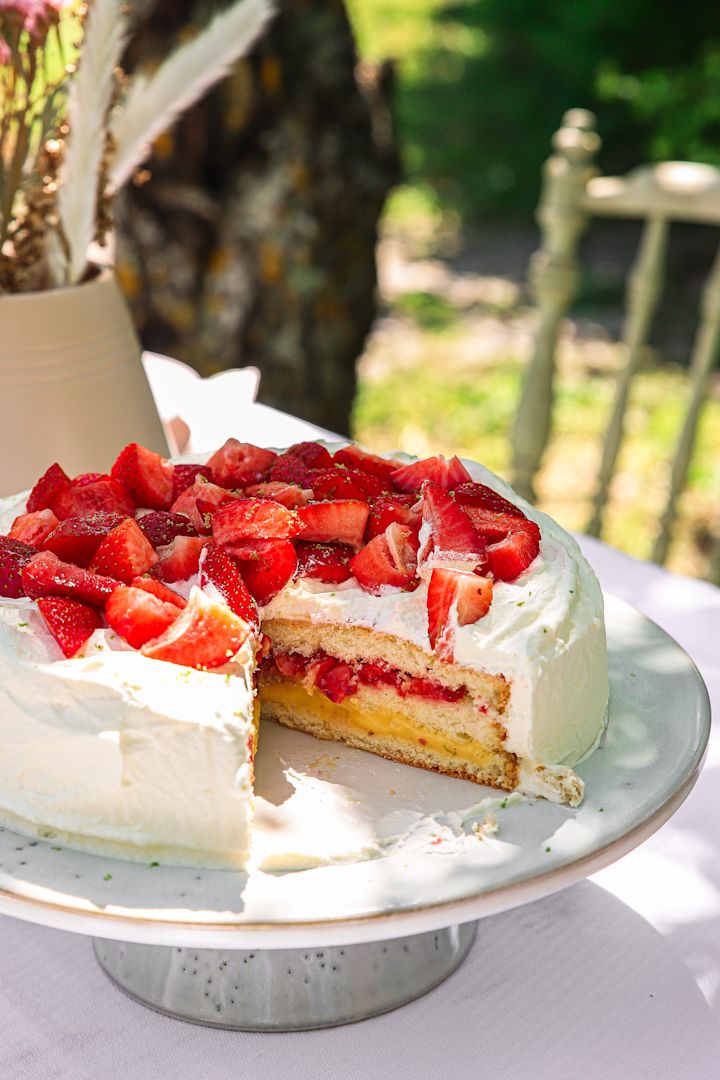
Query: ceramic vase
[72, 384]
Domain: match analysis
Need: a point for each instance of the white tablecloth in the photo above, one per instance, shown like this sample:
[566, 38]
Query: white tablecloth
[617, 977]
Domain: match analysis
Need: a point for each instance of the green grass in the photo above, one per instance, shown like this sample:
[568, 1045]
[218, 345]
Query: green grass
[431, 408]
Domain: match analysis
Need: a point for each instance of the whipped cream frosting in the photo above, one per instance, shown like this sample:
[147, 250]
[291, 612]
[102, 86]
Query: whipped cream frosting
[117, 753]
[544, 633]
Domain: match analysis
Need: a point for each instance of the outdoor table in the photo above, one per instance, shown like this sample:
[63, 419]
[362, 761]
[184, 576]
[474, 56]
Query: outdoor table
[618, 976]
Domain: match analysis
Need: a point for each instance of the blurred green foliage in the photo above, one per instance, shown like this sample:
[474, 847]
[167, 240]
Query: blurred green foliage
[482, 85]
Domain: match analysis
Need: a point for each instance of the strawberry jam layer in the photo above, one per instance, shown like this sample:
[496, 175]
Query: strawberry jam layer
[338, 679]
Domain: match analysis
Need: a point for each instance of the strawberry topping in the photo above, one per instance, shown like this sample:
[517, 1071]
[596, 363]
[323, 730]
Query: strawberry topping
[455, 540]
[180, 559]
[266, 566]
[124, 553]
[389, 559]
[205, 634]
[254, 519]
[386, 509]
[76, 539]
[220, 569]
[238, 464]
[51, 484]
[46, 575]
[146, 475]
[33, 528]
[70, 622]
[138, 616]
[355, 458]
[446, 474]
[161, 527]
[14, 554]
[200, 501]
[311, 454]
[152, 585]
[324, 562]
[290, 495]
[343, 521]
[485, 498]
[100, 496]
[455, 597]
[184, 476]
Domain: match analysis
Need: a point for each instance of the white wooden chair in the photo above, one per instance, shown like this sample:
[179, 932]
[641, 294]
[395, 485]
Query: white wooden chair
[572, 194]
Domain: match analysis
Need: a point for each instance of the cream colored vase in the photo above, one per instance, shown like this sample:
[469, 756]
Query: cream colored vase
[72, 384]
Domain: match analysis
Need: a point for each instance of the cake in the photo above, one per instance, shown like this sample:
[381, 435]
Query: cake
[149, 617]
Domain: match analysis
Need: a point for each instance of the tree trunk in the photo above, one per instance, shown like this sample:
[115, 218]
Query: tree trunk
[254, 240]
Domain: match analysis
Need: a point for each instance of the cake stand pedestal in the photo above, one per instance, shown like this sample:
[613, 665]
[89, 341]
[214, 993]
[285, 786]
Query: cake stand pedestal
[285, 989]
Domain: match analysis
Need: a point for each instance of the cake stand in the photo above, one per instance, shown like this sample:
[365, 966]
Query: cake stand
[381, 901]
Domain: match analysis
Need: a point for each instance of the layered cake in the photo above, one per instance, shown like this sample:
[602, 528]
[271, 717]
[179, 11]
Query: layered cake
[417, 610]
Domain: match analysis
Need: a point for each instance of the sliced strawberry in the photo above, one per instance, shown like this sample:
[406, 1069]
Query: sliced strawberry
[46, 575]
[201, 500]
[292, 665]
[355, 458]
[14, 554]
[254, 519]
[51, 484]
[389, 559]
[336, 680]
[33, 528]
[266, 566]
[146, 475]
[386, 509]
[218, 568]
[454, 541]
[100, 496]
[508, 558]
[124, 553]
[324, 562]
[76, 539]
[455, 598]
[180, 559]
[161, 527]
[343, 521]
[311, 454]
[184, 476]
[70, 622]
[290, 495]
[343, 483]
[89, 478]
[238, 464]
[152, 585]
[493, 525]
[138, 616]
[446, 474]
[206, 634]
[291, 470]
[485, 498]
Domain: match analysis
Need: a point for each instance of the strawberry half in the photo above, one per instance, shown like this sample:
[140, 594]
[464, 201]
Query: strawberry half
[146, 475]
[46, 575]
[184, 476]
[446, 474]
[343, 483]
[13, 557]
[291, 470]
[124, 553]
[355, 458]
[509, 558]
[455, 598]
[205, 634]
[342, 521]
[485, 498]
[311, 454]
[70, 622]
[385, 510]
[89, 478]
[161, 527]
[33, 528]
[324, 562]
[51, 484]
[138, 616]
[219, 569]
[454, 541]
[389, 559]
[76, 539]
[238, 464]
[180, 559]
[152, 585]
[289, 495]
[254, 519]
[266, 566]
[199, 502]
[100, 496]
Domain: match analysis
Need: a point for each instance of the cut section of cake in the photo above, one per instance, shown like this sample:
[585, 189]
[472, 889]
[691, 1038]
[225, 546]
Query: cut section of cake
[417, 610]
